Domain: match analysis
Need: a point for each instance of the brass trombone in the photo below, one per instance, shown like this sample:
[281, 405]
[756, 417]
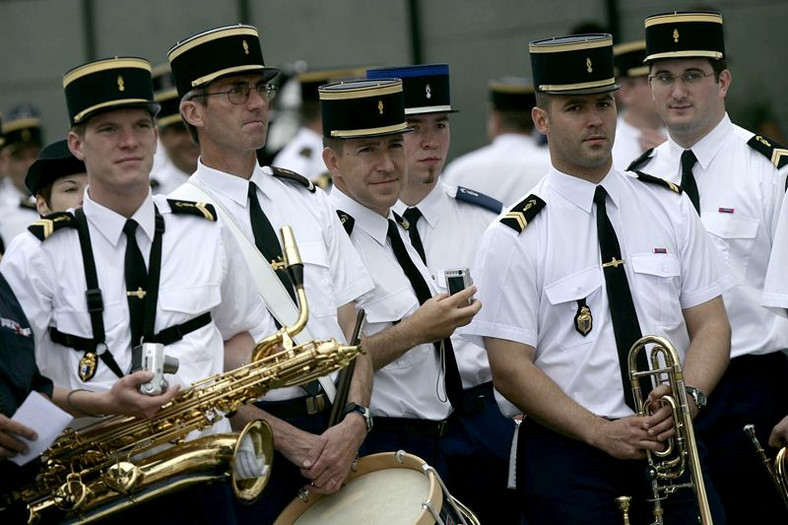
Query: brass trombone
[681, 452]
[776, 473]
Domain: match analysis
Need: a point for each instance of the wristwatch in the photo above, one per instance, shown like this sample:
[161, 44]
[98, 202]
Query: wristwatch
[698, 396]
[364, 411]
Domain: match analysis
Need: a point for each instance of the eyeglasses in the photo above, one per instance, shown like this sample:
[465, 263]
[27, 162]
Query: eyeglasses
[239, 93]
[688, 78]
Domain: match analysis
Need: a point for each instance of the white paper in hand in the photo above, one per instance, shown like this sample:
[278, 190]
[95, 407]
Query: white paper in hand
[46, 418]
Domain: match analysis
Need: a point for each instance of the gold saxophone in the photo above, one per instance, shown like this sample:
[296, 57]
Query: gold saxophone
[95, 471]
[681, 452]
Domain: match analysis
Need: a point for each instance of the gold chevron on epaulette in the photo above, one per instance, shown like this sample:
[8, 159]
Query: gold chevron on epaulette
[777, 154]
[44, 228]
[523, 212]
[645, 177]
[200, 209]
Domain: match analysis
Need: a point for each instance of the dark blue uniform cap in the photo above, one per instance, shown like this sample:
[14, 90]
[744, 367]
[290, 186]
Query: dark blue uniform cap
[685, 34]
[426, 87]
[573, 65]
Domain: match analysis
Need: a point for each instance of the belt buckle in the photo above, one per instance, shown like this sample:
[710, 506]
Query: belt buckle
[315, 405]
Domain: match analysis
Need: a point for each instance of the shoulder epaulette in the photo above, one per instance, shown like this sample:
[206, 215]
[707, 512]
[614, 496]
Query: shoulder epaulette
[293, 176]
[645, 177]
[777, 154]
[200, 209]
[28, 204]
[519, 215]
[642, 160]
[479, 199]
[44, 228]
[347, 221]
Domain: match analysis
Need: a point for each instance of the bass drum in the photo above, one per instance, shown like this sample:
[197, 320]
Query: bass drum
[395, 488]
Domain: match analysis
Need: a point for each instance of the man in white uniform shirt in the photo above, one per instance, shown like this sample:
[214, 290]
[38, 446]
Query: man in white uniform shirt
[570, 278]
[515, 161]
[736, 181]
[225, 93]
[639, 126]
[444, 224]
[408, 325]
[22, 142]
[86, 320]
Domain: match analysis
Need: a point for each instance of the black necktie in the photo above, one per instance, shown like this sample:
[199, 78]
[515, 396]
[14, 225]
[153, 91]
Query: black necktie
[688, 184]
[265, 238]
[419, 285]
[412, 215]
[622, 309]
[136, 281]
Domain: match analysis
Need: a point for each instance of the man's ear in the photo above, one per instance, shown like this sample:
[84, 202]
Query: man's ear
[191, 113]
[541, 120]
[76, 145]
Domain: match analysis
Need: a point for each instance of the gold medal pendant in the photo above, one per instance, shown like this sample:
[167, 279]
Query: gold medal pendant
[87, 367]
[583, 320]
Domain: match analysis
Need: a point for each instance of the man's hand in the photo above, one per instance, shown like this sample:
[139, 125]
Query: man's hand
[10, 444]
[125, 398]
[439, 316]
[625, 438]
[660, 424]
[328, 468]
[779, 436]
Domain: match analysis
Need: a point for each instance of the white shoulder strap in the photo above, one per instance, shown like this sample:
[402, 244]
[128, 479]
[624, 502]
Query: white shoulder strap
[274, 294]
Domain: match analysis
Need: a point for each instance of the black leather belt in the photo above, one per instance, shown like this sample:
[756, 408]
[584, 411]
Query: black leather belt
[412, 426]
[300, 406]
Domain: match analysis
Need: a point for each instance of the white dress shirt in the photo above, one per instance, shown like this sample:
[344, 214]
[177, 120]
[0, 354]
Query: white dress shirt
[200, 273]
[450, 231]
[741, 193]
[169, 178]
[333, 272]
[530, 283]
[411, 386]
[14, 216]
[505, 170]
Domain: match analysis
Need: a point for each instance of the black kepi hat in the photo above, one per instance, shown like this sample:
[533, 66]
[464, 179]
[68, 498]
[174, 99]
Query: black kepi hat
[573, 65]
[363, 108]
[628, 59]
[54, 161]
[165, 93]
[210, 55]
[511, 94]
[24, 131]
[686, 34]
[108, 84]
[426, 87]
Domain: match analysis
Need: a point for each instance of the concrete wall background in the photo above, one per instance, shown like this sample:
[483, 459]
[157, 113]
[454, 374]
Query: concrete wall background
[41, 39]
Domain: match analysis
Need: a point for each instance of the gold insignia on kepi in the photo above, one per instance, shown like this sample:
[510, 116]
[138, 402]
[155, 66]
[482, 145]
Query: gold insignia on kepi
[25, 135]
[121, 83]
[246, 47]
[584, 321]
[675, 36]
[380, 107]
[87, 366]
[428, 90]
[588, 65]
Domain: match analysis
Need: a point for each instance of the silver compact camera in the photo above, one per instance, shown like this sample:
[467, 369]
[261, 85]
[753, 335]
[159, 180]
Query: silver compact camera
[458, 279]
[151, 357]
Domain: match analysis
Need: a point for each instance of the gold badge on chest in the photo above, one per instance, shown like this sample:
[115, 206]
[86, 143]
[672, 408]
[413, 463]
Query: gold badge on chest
[584, 322]
[87, 366]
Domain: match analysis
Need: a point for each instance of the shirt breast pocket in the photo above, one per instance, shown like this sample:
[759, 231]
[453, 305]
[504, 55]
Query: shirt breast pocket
[189, 301]
[317, 279]
[659, 282]
[566, 296]
[733, 235]
[390, 309]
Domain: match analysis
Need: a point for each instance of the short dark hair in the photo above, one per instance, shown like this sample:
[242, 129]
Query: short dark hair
[334, 143]
[80, 128]
[516, 120]
[542, 100]
[46, 193]
[718, 66]
[195, 94]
